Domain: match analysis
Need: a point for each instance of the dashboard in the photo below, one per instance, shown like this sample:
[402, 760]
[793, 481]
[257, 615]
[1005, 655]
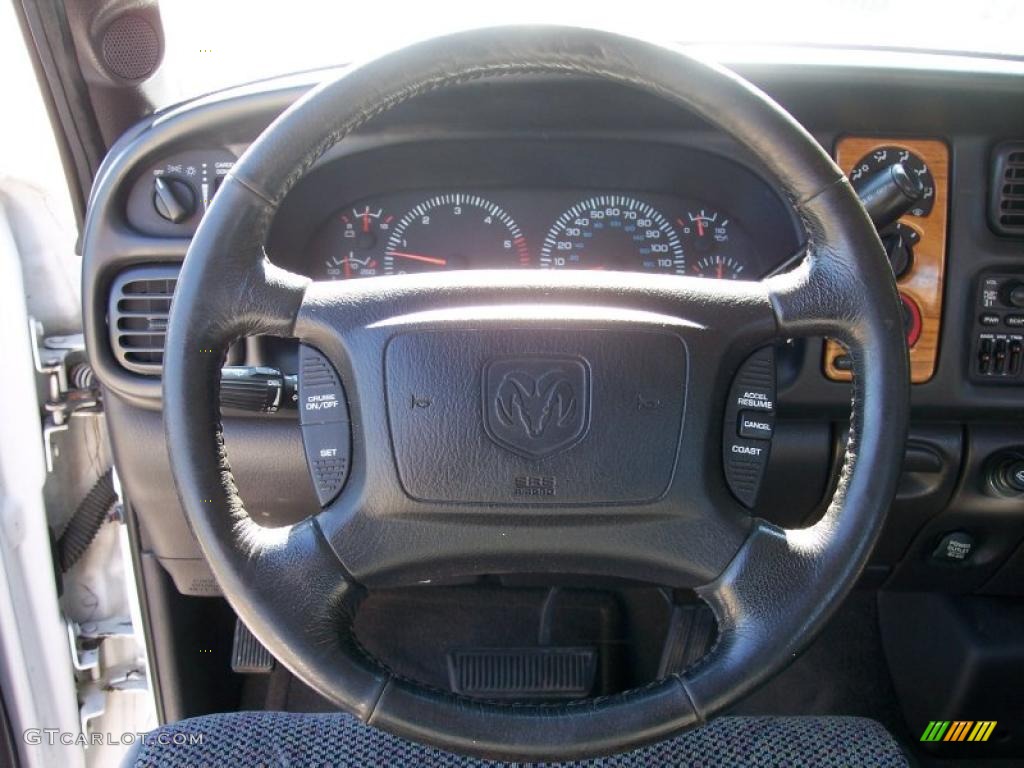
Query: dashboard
[411, 205]
[536, 174]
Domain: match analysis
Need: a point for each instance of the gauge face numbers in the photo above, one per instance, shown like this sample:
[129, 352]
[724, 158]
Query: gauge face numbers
[456, 231]
[883, 157]
[413, 233]
[718, 266]
[713, 244]
[358, 233]
[703, 231]
[613, 232]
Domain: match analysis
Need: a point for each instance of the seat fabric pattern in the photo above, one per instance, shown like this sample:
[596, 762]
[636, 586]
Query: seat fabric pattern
[279, 739]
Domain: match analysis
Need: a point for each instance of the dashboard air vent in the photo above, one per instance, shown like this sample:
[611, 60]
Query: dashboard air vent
[140, 302]
[1006, 208]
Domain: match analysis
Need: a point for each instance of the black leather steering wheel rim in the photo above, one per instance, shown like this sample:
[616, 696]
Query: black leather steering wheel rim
[289, 586]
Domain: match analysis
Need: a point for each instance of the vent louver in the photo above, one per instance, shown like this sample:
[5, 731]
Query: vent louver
[140, 303]
[1006, 211]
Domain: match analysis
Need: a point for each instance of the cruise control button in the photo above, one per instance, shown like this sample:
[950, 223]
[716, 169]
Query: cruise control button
[321, 395]
[748, 425]
[745, 462]
[323, 414]
[755, 397]
[328, 450]
[755, 425]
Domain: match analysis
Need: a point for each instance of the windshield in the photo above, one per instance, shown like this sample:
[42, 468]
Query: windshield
[212, 45]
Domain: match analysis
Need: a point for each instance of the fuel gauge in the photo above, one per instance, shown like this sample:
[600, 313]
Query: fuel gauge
[357, 243]
[714, 246]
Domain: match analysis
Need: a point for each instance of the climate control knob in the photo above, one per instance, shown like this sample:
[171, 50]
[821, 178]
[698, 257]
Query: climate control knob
[1014, 295]
[173, 199]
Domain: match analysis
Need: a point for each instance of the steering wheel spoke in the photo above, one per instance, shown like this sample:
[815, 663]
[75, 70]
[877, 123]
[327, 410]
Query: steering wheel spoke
[823, 294]
[235, 291]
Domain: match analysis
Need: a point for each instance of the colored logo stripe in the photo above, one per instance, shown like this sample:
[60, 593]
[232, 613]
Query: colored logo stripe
[982, 730]
[935, 731]
[958, 730]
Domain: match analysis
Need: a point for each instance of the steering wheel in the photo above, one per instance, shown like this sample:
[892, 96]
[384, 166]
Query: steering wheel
[435, 499]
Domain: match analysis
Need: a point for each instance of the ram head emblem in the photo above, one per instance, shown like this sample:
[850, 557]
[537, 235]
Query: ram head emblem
[534, 403]
[536, 406]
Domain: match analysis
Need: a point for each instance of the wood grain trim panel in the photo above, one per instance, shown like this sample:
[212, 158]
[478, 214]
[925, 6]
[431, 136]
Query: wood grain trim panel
[924, 282]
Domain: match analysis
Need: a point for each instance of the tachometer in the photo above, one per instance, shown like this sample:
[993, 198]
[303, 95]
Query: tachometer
[455, 231]
[613, 232]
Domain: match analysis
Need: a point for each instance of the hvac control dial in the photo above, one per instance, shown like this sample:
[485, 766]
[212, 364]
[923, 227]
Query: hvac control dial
[883, 157]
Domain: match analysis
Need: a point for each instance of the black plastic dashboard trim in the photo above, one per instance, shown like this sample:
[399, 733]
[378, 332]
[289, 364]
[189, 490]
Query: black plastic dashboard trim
[964, 108]
[236, 117]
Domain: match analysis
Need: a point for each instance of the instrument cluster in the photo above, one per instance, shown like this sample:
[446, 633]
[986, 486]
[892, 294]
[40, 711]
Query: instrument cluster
[430, 230]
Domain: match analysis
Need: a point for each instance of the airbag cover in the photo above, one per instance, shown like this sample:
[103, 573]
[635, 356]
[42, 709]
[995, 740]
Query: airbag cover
[536, 416]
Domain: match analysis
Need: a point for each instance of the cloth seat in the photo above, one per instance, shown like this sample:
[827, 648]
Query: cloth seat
[279, 739]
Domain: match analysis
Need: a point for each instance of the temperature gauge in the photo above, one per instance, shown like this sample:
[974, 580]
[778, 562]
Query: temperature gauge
[357, 243]
[704, 231]
[716, 246]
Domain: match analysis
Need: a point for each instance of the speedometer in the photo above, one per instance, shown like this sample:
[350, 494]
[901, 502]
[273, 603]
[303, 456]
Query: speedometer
[613, 232]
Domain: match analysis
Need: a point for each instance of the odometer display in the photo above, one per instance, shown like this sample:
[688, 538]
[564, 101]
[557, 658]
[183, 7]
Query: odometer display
[615, 232]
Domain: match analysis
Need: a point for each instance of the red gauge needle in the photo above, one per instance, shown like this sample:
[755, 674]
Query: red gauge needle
[720, 270]
[700, 228]
[365, 217]
[419, 257]
[348, 268]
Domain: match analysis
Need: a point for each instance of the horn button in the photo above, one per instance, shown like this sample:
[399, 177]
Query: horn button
[528, 417]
